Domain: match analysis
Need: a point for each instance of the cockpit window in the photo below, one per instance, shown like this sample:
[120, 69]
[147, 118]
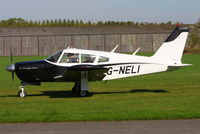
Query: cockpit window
[87, 58]
[55, 57]
[70, 58]
[103, 59]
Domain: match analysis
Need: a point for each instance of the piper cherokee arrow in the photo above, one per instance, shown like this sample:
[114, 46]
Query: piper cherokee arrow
[82, 66]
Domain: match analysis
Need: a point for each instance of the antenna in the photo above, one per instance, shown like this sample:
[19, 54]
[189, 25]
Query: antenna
[115, 49]
[136, 51]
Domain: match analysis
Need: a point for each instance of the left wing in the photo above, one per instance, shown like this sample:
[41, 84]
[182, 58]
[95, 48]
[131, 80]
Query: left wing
[73, 73]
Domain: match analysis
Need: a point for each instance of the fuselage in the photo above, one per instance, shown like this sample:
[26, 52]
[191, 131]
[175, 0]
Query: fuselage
[58, 67]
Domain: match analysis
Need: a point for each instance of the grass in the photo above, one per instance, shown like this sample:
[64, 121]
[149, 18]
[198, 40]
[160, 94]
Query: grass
[170, 95]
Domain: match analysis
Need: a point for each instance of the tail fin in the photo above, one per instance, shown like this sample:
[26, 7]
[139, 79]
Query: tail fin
[172, 48]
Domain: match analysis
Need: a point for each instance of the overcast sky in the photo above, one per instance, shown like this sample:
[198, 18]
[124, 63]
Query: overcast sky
[186, 11]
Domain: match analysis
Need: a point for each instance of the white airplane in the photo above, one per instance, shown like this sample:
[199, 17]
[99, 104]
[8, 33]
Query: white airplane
[81, 66]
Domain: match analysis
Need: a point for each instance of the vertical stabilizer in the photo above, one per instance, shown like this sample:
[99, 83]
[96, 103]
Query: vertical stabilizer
[172, 48]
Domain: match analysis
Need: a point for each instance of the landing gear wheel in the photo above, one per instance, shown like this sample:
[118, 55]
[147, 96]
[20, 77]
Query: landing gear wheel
[80, 88]
[75, 89]
[83, 93]
[22, 93]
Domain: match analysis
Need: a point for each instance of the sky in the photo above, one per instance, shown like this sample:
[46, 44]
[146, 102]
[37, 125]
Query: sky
[186, 11]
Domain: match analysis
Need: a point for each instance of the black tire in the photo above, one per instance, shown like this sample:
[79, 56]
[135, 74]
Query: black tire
[83, 93]
[75, 90]
[22, 94]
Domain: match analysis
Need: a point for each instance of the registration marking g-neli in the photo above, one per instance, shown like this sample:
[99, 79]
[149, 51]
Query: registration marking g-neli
[124, 69]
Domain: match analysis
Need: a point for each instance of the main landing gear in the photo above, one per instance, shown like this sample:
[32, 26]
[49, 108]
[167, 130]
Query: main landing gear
[22, 93]
[77, 91]
[81, 87]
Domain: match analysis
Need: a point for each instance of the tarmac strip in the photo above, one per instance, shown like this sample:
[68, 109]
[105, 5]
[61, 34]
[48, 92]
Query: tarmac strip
[105, 127]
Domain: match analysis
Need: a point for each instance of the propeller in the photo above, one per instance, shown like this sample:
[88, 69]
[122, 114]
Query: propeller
[11, 60]
[12, 75]
[11, 68]
[11, 56]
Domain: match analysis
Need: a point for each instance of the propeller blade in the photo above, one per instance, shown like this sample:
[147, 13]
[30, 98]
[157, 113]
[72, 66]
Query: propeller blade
[11, 60]
[11, 56]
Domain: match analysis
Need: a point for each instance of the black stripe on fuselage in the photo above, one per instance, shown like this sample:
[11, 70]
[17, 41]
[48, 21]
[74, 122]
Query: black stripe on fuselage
[43, 71]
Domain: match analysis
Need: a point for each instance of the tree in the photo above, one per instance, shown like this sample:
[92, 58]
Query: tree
[194, 43]
[81, 23]
[55, 22]
[64, 22]
[60, 22]
[169, 23]
[89, 23]
[43, 23]
[77, 23]
[72, 23]
[68, 22]
[30, 23]
[100, 23]
[52, 22]
[47, 23]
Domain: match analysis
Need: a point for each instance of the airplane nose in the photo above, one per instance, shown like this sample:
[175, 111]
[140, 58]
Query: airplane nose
[11, 68]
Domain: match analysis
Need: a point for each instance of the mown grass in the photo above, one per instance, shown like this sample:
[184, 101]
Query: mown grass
[170, 95]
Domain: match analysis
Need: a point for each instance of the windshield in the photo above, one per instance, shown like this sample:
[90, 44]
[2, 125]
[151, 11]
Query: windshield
[55, 57]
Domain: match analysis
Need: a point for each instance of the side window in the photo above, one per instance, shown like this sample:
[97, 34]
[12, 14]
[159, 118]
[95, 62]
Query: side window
[103, 59]
[70, 58]
[87, 58]
[55, 57]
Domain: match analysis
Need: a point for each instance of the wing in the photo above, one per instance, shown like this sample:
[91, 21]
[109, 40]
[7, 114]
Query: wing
[71, 74]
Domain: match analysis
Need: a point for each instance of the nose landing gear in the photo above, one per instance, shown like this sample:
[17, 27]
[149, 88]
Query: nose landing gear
[22, 93]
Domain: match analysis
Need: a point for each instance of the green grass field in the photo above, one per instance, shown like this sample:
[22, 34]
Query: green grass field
[170, 95]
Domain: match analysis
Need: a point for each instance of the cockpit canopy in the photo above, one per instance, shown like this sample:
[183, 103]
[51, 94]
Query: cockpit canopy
[67, 57]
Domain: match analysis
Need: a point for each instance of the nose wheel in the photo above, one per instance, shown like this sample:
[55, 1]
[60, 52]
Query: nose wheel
[22, 93]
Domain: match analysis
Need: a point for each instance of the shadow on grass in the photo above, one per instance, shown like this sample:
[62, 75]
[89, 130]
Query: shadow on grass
[68, 94]
[148, 90]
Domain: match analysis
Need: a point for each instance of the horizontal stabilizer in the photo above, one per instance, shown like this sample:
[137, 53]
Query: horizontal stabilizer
[177, 66]
[181, 65]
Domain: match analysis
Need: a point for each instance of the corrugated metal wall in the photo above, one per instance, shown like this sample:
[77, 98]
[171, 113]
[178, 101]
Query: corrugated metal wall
[48, 44]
